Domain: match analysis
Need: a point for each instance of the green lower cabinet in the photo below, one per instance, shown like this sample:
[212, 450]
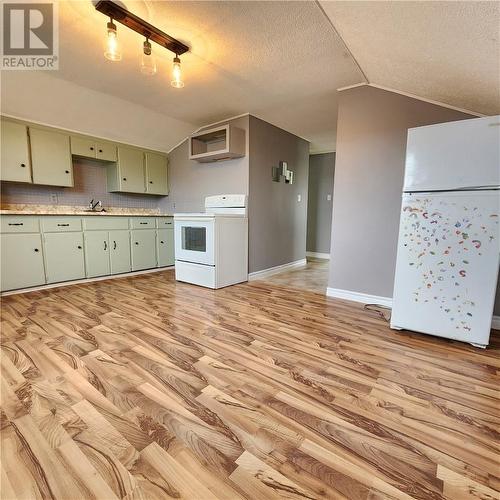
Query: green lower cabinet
[21, 261]
[64, 260]
[143, 246]
[119, 249]
[97, 253]
[165, 244]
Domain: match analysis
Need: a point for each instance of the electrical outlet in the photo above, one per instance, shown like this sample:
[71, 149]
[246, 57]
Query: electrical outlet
[54, 199]
[299, 198]
[328, 197]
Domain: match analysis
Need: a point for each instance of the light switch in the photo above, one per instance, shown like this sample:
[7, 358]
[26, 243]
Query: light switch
[328, 197]
[299, 198]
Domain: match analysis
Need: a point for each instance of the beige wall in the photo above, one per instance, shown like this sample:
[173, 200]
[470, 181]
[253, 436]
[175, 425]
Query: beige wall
[369, 169]
[319, 208]
[39, 96]
[277, 221]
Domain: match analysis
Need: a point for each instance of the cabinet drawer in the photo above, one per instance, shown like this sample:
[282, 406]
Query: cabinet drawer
[58, 224]
[142, 222]
[164, 222]
[19, 224]
[103, 223]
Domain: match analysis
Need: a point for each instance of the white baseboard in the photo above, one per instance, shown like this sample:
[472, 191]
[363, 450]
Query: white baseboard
[318, 255]
[258, 275]
[364, 298]
[495, 322]
[84, 280]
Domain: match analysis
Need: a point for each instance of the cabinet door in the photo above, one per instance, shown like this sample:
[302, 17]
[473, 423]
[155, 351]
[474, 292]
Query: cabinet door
[156, 173]
[165, 243]
[143, 245]
[51, 158]
[83, 146]
[21, 261]
[105, 151]
[97, 253]
[64, 256]
[131, 169]
[15, 153]
[119, 247]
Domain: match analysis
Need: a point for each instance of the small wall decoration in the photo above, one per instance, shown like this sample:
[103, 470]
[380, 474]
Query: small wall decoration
[282, 171]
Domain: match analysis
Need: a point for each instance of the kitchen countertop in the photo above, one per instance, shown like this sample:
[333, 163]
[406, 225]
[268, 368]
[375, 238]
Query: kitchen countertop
[79, 211]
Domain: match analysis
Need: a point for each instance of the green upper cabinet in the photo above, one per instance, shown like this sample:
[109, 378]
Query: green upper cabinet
[51, 158]
[88, 147]
[127, 174]
[156, 173]
[15, 156]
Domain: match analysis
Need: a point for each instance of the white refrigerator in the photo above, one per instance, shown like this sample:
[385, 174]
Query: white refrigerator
[449, 236]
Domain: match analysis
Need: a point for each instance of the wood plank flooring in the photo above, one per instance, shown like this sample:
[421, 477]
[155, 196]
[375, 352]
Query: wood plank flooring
[313, 276]
[144, 388]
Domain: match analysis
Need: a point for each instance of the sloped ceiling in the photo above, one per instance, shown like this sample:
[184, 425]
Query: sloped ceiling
[441, 50]
[281, 61]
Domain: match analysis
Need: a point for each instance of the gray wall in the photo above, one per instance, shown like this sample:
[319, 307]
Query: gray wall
[277, 221]
[371, 146]
[191, 181]
[319, 209]
[90, 182]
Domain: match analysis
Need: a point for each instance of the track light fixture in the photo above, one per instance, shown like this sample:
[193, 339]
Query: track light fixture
[148, 60]
[151, 33]
[176, 74]
[112, 48]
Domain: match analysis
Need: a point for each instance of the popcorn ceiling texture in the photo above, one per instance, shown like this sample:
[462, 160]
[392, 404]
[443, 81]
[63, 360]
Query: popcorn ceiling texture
[90, 182]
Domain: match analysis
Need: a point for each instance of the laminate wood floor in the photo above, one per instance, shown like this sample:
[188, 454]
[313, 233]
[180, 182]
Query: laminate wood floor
[144, 388]
[313, 276]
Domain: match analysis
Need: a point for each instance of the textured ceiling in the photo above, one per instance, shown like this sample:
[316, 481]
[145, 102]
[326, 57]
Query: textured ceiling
[281, 61]
[444, 51]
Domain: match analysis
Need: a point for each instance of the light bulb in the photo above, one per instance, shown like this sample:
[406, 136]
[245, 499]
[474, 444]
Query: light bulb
[148, 61]
[176, 74]
[112, 48]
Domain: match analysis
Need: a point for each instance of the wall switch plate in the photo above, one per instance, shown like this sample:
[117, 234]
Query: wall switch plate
[54, 199]
[299, 198]
[328, 197]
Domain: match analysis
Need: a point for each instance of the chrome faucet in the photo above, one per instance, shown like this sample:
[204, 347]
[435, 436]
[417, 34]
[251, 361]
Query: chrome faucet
[96, 207]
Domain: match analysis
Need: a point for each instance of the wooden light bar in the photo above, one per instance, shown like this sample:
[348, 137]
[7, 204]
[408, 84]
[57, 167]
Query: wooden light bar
[123, 16]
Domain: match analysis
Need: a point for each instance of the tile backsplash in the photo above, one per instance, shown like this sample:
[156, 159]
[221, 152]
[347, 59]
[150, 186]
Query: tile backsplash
[90, 182]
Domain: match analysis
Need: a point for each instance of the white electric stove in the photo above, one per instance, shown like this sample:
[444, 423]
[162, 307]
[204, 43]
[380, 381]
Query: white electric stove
[211, 247]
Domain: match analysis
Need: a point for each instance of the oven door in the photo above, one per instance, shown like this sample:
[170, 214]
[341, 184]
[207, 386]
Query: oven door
[194, 241]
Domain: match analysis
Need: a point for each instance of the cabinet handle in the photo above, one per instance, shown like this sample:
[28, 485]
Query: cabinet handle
[23, 164]
[67, 171]
[114, 245]
[105, 246]
[124, 178]
[143, 223]
[100, 151]
[63, 225]
[36, 249]
[16, 223]
[79, 247]
[151, 182]
[91, 149]
[136, 242]
[161, 242]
